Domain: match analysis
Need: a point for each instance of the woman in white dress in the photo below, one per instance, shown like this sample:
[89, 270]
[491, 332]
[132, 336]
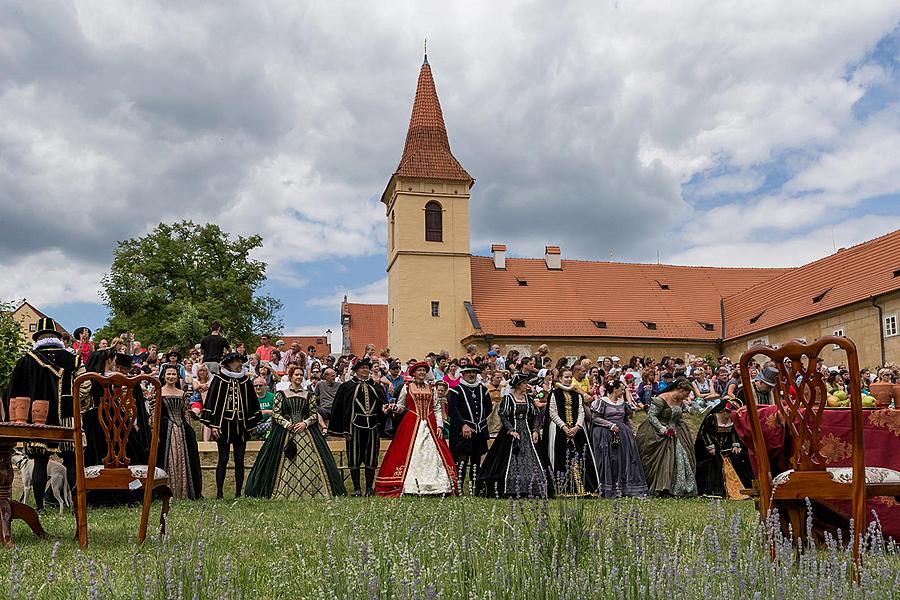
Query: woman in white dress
[418, 460]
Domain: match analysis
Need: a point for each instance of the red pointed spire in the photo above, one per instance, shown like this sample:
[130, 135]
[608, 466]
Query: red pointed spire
[427, 150]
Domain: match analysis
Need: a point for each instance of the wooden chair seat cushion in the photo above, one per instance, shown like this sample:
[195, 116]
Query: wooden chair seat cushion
[874, 476]
[137, 471]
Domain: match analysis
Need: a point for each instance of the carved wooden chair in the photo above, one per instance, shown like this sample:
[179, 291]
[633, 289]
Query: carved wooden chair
[799, 397]
[117, 413]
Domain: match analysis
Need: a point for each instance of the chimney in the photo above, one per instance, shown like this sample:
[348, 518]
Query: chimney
[499, 252]
[553, 258]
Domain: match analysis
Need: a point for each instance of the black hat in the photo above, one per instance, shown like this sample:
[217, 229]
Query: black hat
[45, 325]
[365, 361]
[123, 360]
[174, 351]
[232, 356]
[517, 380]
[77, 333]
[470, 369]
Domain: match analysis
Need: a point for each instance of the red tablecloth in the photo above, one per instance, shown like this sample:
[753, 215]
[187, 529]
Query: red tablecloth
[881, 439]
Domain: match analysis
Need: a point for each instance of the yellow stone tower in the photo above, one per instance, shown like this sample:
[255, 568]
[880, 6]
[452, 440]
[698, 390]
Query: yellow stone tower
[428, 260]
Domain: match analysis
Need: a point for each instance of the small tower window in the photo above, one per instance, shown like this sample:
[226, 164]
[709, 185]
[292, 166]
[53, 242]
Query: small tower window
[434, 222]
[435, 308]
[392, 229]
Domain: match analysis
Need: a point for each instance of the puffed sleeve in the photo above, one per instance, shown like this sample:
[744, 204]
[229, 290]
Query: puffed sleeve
[277, 414]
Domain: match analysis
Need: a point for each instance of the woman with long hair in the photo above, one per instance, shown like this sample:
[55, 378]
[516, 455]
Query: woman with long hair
[200, 386]
[418, 461]
[512, 466]
[178, 454]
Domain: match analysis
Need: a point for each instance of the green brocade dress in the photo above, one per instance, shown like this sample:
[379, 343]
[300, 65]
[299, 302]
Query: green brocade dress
[294, 464]
[668, 462]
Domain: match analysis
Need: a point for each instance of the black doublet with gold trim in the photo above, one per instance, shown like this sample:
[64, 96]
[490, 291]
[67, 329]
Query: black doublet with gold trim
[231, 406]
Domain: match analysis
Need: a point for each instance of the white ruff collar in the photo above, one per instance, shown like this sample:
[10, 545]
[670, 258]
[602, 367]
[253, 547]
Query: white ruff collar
[470, 385]
[232, 374]
[563, 387]
[51, 341]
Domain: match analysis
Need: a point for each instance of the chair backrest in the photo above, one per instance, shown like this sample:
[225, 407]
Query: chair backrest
[117, 413]
[800, 398]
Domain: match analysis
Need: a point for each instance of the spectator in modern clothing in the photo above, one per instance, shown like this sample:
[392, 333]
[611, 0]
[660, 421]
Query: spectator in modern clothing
[266, 401]
[213, 347]
[325, 391]
[264, 351]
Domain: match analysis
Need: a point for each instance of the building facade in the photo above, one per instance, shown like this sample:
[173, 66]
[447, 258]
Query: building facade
[441, 297]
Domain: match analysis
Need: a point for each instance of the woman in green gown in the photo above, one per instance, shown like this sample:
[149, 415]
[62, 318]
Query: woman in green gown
[666, 445]
[295, 461]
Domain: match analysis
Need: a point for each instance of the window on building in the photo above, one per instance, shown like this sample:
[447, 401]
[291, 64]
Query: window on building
[435, 308]
[890, 325]
[434, 222]
[839, 333]
[392, 229]
[519, 322]
[32, 327]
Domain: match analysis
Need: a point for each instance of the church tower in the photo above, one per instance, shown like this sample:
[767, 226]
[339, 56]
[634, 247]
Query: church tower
[428, 260]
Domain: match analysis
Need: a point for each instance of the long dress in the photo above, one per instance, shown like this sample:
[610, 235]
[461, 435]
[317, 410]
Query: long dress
[295, 464]
[667, 460]
[616, 454]
[715, 476]
[569, 458]
[418, 461]
[178, 454]
[513, 467]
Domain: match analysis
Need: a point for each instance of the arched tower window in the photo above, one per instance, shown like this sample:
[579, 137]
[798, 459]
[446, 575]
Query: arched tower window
[434, 222]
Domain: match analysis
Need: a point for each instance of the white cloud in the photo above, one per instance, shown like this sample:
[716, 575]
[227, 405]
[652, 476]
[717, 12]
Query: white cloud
[789, 251]
[371, 293]
[580, 121]
[49, 277]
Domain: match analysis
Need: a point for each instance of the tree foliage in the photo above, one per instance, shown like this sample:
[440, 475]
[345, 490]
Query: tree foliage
[168, 285]
[12, 344]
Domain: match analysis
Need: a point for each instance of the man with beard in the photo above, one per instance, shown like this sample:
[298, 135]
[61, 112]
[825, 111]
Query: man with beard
[355, 414]
[468, 407]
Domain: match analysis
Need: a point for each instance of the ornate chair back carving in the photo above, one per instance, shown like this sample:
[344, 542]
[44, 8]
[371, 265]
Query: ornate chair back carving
[117, 412]
[800, 397]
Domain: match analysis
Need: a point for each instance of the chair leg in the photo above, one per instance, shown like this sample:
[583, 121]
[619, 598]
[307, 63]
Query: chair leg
[81, 526]
[166, 493]
[145, 514]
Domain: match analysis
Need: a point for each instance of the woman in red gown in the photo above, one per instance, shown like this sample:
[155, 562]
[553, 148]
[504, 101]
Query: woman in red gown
[418, 460]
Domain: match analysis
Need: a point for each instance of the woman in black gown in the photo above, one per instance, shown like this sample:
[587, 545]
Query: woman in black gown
[716, 441]
[178, 454]
[568, 451]
[512, 466]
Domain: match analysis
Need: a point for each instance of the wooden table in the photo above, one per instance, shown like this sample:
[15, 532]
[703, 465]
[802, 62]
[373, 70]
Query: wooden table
[10, 435]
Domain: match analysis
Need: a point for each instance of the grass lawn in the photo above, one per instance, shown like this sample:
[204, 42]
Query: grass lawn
[433, 548]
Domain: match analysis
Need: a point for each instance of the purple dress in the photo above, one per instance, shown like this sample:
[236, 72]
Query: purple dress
[616, 454]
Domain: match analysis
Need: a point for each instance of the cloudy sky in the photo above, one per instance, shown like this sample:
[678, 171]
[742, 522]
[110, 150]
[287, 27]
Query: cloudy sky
[718, 133]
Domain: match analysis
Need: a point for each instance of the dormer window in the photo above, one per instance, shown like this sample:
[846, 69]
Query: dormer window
[599, 324]
[522, 282]
[519, 322]
[651, 325]
[434, 222]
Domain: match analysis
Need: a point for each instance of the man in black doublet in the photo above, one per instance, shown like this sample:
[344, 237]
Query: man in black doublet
[231, 410]
[468, 407]
[356, 414]
[47, 372]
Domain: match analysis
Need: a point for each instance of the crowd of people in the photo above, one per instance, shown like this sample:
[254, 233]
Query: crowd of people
[491, 424]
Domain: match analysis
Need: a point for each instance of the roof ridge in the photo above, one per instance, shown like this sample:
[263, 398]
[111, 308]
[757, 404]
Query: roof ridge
[854, 248]
[641, 264]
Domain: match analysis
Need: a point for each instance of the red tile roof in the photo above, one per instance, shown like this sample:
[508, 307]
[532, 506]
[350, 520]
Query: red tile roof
[323, 348]
[848, 276]
[621, 296]
[368, 325]
[427, 150]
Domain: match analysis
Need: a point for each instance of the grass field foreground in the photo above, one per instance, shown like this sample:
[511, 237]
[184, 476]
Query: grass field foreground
[438, 548]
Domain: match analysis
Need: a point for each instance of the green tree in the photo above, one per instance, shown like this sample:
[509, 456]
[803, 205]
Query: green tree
[167, 286]
[12, 344]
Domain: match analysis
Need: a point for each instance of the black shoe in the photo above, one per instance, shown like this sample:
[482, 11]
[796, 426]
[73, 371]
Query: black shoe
[356, 493]
[40, 511]
[370, 492]
[220, 496]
